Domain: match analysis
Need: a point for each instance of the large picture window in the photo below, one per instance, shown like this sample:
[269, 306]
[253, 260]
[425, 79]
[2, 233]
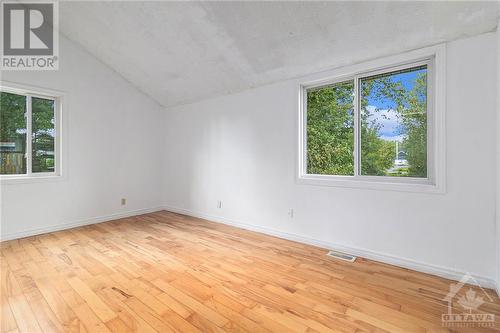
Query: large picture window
[29, 134]
[377, 125]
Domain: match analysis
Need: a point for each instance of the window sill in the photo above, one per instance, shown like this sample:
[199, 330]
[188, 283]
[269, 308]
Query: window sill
[372, 183]
[12, 180]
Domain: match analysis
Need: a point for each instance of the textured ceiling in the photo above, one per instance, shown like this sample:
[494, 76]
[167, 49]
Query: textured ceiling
[183, 52]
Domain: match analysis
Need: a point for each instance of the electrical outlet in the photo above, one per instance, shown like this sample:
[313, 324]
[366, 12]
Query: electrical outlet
[124, 201]
[290, 213]
[219, 204]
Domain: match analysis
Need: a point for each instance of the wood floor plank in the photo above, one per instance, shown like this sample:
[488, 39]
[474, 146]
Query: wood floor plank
[7, 322]
[133, 321]
[96, 304]
[165, 272]
[63, 312]
[148, 315]
[89, 319]
[46, 318]
[192, 303]
[26, 321]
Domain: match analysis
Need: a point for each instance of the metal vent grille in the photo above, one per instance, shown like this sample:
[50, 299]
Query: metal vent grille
[341, 256]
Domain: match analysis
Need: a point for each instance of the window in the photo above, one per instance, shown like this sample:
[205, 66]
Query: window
[330, 129]
[29, 134]
[375, 127]
[393, 123]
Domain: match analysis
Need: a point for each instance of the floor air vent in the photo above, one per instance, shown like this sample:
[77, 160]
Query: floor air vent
[341, 256]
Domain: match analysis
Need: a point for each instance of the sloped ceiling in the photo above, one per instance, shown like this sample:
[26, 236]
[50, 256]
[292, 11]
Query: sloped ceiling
[180, 52]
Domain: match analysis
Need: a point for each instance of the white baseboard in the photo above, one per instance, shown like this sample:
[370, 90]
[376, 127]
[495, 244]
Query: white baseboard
[448, 273]
[79, 223]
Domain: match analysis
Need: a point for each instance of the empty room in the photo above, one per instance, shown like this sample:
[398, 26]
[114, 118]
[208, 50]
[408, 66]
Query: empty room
[249, 166]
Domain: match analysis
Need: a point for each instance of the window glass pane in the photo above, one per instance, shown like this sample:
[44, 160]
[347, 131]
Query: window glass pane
[330, 129]
[43, 137]
[394, 124]
[12, 134]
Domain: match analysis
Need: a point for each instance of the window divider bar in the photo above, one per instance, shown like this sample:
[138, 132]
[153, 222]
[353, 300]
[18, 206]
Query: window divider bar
[29, 129]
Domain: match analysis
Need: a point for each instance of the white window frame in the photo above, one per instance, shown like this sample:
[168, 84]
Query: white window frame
[57, 96]
[434, 58]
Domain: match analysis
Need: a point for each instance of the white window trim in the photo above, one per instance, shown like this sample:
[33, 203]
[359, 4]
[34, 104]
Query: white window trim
[59, 98]
[436, 136]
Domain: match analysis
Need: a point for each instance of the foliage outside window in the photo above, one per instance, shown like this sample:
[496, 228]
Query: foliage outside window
[27, 134]
[374, 125]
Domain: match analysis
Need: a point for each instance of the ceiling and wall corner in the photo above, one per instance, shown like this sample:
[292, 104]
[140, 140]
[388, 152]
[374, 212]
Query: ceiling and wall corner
[181, 52]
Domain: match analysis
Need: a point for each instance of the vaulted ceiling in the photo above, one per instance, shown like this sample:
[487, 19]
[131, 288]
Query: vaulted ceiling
[180, 52]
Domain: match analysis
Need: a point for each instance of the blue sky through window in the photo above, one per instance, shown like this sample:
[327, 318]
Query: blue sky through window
[381, 108]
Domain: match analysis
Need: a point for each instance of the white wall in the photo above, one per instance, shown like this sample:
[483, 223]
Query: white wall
[113, 144]
[498, 160]
[241, 149]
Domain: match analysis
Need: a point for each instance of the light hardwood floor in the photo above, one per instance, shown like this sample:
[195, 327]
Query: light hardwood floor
[164, 272]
